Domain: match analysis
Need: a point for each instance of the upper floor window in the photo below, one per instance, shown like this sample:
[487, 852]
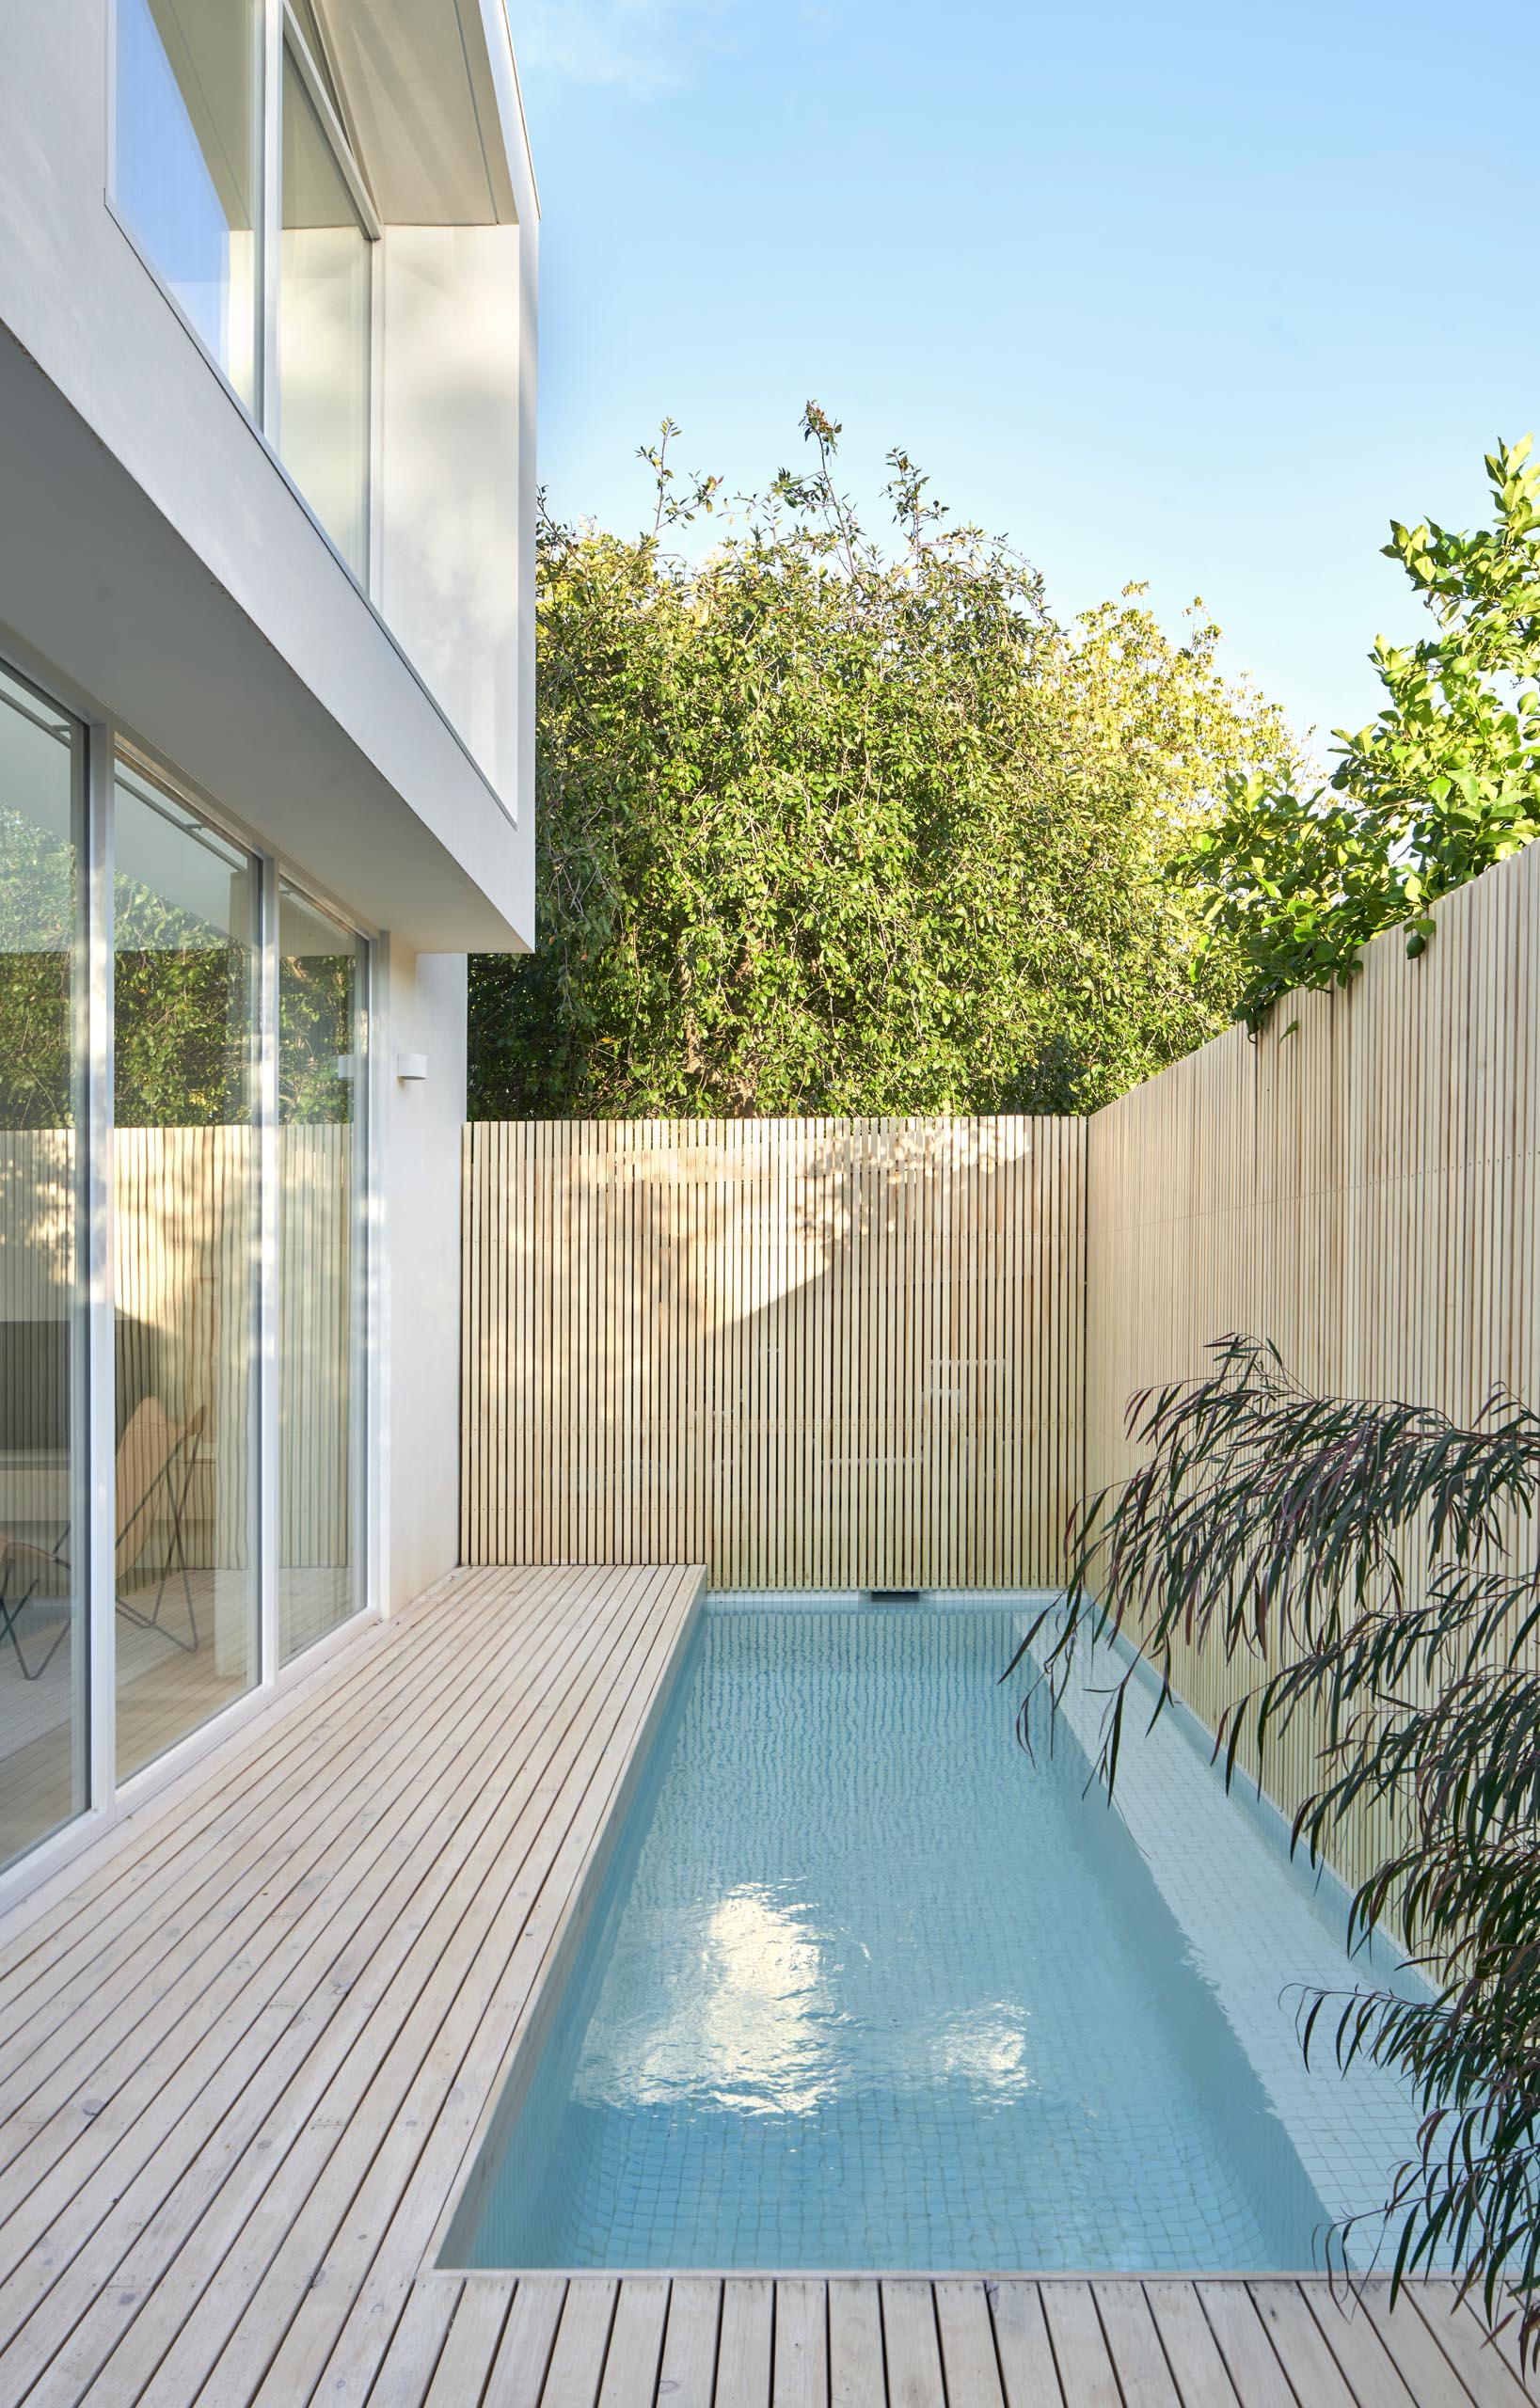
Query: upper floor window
[275, 275]
[324, 324]
[188, 159]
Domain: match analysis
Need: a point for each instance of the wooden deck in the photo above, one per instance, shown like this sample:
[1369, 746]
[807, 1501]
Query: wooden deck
[748, 2341]
[248, 2045]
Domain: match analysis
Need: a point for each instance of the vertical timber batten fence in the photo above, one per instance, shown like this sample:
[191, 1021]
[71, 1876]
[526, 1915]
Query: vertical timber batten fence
[1361, 1186]
[805, 1353]
[890, 1353]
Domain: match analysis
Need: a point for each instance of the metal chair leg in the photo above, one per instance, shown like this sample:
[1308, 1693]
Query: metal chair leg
[10, 1609]
[177, 1554]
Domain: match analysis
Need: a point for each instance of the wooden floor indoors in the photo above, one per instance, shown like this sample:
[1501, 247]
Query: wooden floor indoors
[247, 2041]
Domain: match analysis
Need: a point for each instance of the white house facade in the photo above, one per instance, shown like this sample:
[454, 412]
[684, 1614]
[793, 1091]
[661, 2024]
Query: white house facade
[267, 355]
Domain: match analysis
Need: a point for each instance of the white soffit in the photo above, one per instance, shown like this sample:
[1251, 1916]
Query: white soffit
[421, 93]
[94, 578]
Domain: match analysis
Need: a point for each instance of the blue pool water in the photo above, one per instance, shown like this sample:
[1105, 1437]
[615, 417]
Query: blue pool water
[868, 1986]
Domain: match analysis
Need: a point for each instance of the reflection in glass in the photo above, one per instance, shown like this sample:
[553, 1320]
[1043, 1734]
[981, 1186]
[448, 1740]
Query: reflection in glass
[322, 1094]
[43, 1752]
[186, 138]
[186, 1168]
[323, 329]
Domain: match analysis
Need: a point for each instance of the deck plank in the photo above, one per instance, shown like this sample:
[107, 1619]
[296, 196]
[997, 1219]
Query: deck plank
[470, 2345]
[1134, 2343]
[1505, 2342]
[800, 2366]
[524, 2357]
[744, 2351]
[636, 2343]
[688, 2374]
[412, 2360]
[1303, 2344]
[81, 1902]
[583, 2342]
[190, 1894]
[1201, 2377]
[1027, 2370]
[176, 2036]
[856, 2374]
[423, 2091]
[1086, 2372]
[157, 1895]
[1246, 2349]
[912, 2346]
[969, 2364]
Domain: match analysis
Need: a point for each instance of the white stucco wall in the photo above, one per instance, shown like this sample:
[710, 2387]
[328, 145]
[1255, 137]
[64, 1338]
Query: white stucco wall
[417, 1389]
[451, 442]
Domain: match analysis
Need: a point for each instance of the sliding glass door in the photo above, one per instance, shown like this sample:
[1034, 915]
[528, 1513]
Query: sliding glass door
[184, 1268]
[44, 1654]
[186, 1160]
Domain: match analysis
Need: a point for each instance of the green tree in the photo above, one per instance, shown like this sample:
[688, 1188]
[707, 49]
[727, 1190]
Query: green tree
[1442, 784]
[827, 826]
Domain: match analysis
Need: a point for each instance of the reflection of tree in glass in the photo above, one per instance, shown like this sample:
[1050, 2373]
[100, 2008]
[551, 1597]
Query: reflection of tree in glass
[37, 925]
[183, 1007]
[316, 1033]
[181, 1016]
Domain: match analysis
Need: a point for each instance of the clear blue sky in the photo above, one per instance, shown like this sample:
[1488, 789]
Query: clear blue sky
[1200, 293]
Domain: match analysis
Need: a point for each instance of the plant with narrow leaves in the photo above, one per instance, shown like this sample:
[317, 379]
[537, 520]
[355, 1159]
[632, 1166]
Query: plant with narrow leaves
[1371, 1566]
[1441, 785]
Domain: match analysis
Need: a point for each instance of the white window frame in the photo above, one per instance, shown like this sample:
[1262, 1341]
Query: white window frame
[278, 31]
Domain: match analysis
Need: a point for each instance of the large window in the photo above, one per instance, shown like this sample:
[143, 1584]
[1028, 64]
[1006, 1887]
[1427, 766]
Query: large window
[44, 1654]
[184, 1268]
[323, 325]
[275, 274]
[187, 130]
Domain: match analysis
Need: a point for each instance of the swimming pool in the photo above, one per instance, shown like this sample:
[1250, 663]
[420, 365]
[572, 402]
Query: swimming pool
[866, 1988]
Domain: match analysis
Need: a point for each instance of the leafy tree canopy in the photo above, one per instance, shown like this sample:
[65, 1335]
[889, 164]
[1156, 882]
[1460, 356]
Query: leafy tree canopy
[1443, 783]
[832, 825]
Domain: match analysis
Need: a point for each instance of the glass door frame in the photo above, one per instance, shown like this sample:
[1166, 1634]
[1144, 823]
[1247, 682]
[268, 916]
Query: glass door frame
[92, 1344]
[365, 1497]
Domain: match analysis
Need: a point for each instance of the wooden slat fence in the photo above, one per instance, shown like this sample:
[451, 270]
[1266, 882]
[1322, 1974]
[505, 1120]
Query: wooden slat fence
[805, 1353]
[1361, 1186]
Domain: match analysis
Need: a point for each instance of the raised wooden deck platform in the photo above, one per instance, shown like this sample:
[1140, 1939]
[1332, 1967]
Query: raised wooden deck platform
[247, 2044]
